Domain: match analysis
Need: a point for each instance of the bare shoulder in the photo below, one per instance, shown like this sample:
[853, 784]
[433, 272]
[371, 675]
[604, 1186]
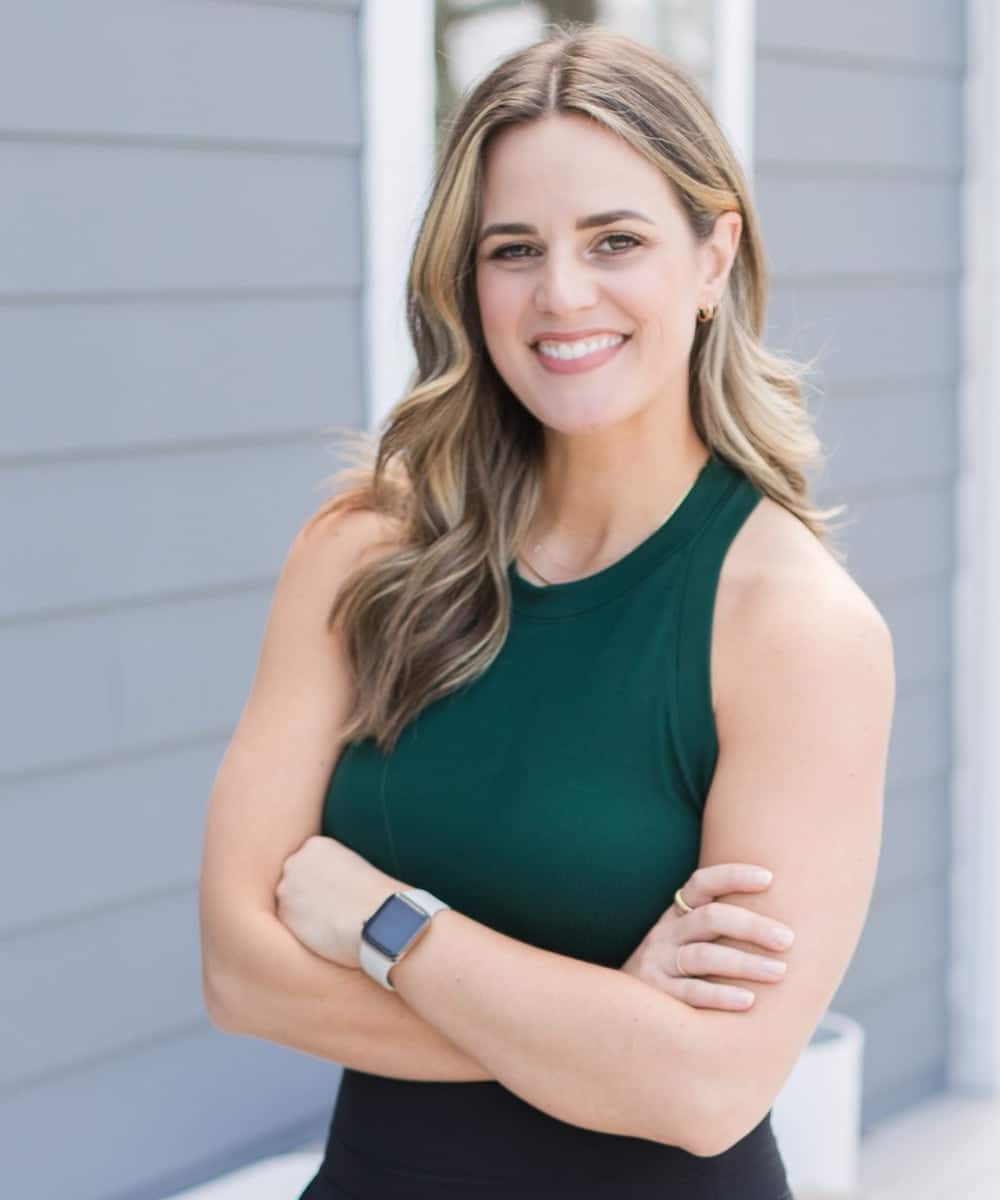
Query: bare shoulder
[332, 542]
[782, 592]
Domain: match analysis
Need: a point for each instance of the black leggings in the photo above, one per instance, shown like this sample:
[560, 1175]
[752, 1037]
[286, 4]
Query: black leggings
[393, 1139]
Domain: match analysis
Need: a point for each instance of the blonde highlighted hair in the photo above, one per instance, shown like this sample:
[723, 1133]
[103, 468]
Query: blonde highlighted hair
[458, 464]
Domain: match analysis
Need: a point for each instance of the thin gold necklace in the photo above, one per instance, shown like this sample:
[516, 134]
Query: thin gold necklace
[538, 545]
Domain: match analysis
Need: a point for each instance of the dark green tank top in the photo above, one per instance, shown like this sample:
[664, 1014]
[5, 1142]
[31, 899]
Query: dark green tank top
[558, 798]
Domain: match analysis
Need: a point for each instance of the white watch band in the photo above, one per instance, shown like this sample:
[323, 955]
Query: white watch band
[373, 961]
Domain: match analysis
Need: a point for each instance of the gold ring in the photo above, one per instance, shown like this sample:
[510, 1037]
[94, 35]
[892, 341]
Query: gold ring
[681, 902]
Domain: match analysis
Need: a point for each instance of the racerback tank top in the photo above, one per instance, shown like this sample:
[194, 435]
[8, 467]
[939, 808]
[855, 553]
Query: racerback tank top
[557, 798]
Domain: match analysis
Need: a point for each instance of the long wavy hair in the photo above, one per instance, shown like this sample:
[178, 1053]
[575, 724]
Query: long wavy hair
[458, 464]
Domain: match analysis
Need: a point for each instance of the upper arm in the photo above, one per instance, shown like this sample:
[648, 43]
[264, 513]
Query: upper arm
[798, 788]
[267, 796]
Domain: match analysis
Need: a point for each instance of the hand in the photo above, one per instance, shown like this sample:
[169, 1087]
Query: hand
[325, 892]
[689, 937]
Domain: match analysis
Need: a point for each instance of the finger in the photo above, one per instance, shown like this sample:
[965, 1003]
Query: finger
[718, 919]
[718, 880]
[699, 993]
[706, 958]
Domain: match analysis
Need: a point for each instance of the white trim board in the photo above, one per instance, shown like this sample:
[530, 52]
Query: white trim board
[397, 161]
[974, 976]
[734, 30]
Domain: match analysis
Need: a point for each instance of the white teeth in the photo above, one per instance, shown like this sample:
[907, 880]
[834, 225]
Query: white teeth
[580, 348]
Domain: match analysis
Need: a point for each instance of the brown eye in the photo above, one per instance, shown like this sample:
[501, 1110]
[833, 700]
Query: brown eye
[632, 240]
[501, 253]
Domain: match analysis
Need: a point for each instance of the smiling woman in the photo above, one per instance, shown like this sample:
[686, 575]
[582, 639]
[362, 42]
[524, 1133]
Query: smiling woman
[567, 646]
[566, 286]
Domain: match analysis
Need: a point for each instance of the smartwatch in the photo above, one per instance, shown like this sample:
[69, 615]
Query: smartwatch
[398, 923]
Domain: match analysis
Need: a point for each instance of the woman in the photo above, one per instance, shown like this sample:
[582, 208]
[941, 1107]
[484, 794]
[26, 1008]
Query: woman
[601, 662]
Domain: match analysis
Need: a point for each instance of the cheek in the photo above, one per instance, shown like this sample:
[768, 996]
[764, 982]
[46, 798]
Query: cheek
[499, 301]
[501, 312]
[668, 319]
[657, 297]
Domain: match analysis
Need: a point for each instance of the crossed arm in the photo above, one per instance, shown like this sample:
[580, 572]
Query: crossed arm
[798, 788]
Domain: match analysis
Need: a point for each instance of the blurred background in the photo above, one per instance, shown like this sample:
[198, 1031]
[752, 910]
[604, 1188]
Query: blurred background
[206, 211]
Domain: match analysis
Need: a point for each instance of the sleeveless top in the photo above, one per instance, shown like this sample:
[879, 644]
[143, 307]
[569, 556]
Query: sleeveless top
[557, 798]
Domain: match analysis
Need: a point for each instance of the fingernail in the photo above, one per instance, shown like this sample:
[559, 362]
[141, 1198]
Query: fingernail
[746, 997]
[761, 876]
[783, 937]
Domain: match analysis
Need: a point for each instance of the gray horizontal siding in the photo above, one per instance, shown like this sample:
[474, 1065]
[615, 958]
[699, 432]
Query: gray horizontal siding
[91, 532]
[133, 974]
[141, 679]
[151, 70]
[921, 746]
[859, 159]
[94, 220]
[891, 33]
[912, 849]
[860, 428]
[184, 1106]
[903, 1061]
[153, 798]
[180, 312]
[869, 118]
[891, 926]
[898, 537]
[908, 234]
[868, 330]
[920, 620]
[180, 372]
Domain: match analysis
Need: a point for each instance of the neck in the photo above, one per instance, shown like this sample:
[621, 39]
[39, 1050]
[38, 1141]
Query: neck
[596, 504]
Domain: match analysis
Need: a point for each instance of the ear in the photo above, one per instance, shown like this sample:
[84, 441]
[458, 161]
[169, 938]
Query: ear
[718, 253]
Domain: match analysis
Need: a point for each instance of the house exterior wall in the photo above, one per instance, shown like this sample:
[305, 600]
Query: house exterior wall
[180, 283]
[858, 171]
[180, 312]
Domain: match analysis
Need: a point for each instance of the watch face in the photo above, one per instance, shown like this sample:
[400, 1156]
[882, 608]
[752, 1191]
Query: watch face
[392, 926]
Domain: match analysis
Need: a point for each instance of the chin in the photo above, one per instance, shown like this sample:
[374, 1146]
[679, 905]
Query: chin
[581, 420]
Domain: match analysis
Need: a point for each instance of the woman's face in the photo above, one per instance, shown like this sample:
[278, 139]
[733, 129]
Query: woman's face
[641, 276]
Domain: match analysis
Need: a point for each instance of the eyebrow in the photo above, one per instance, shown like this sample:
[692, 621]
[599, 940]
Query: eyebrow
[601, 218]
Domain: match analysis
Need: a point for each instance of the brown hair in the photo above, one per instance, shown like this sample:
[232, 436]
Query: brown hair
[459, 460]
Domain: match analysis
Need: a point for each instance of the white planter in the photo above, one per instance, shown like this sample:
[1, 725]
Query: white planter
[817, 1115]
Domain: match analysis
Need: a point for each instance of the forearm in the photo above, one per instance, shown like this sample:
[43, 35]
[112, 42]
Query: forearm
[590, 1045]
[274, 988]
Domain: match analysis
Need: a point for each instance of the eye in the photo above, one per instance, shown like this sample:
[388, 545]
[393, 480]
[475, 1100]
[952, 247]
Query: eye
[633, 241]
[502, 251]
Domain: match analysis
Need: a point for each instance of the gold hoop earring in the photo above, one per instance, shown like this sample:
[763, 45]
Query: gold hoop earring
[706, 314]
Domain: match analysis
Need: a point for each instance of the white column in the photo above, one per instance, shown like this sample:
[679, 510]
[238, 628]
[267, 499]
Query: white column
[397, 68]
[733, 75]
[974, 978]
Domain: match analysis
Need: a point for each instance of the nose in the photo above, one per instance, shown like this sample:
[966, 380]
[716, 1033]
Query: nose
[566, 285]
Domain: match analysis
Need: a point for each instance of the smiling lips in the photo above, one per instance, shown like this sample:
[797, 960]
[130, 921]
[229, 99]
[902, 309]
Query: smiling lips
[570, 353]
